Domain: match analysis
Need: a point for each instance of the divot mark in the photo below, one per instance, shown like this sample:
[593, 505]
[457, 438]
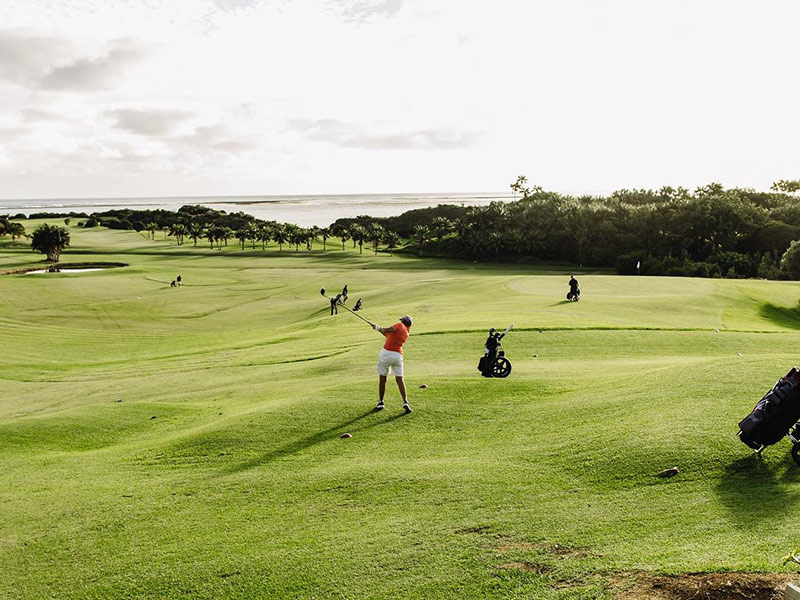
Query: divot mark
[700, 586]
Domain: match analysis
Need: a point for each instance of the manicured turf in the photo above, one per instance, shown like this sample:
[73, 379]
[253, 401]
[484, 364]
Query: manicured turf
[184, 443]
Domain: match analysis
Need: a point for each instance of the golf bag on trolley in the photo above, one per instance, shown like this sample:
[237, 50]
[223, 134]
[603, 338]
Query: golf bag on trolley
[775, 416]
[494, 363]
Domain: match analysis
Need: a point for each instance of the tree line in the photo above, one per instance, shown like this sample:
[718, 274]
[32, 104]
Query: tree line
[708, 232]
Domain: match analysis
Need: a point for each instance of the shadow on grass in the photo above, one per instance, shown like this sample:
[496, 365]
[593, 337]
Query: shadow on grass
[782, 316]
[311, 440]
[754, 489]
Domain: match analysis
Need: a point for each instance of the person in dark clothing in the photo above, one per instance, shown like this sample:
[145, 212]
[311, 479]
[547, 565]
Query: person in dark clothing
[179, 280]
[490, 351]
[344, 294]
[335, 304]
[357, 307]
[172, 284]
[574, 290]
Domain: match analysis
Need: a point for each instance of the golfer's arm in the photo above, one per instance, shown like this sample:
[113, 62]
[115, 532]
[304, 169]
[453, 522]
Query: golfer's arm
[385, 330]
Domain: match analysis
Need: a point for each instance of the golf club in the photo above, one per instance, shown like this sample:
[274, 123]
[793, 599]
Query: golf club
[322, 292]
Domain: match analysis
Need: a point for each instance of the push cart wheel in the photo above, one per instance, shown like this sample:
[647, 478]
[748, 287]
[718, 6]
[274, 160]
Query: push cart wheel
[796, 453]
[501, 367]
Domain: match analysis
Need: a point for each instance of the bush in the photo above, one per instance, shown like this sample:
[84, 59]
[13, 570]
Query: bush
[91, 222]
[790, 263]
[626, 264]
[740, 263]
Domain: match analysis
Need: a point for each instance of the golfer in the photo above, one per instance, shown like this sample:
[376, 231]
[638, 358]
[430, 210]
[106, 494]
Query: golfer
[391, 358]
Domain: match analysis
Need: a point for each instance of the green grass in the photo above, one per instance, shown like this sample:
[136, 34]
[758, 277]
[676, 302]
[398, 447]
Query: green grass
[241, 487]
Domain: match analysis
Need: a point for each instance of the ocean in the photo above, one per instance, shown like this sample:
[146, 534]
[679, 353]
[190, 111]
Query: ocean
[319, 210]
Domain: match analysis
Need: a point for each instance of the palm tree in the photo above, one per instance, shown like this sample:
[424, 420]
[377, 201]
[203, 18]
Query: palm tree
[16, 230]
[297, 237]
[325, 232]
[518, 186]
[241, 235]
[461, 226]
[344, 234]
[291, 235]
[226, 233]
[151, 229]
[211, 235]
[422, 233]
[195, 232]
[359, 234]
[495, 243]
[50, 240]
[311, 237]
[252, 233]
[442, 226]
[392, 239]
[178, 230]
[376, 233]
[264, 234]
[354, 230]
[281, 236]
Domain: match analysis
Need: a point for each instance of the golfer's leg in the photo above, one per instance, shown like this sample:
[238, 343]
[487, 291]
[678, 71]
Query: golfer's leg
[401, 385]
[381, 387]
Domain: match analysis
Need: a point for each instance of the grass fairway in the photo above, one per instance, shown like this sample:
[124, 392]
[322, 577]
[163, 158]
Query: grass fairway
[184, 443]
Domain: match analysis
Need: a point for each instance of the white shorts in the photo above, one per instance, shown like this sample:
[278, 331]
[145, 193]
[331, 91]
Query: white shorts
[389, 360]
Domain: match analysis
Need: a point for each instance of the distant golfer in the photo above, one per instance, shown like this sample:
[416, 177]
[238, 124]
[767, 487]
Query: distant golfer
[391, 358]
[335, 304]
[574, 290]
[179, 279]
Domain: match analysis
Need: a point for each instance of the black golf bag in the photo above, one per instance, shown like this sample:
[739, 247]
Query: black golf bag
[574, 295]
[775, 416]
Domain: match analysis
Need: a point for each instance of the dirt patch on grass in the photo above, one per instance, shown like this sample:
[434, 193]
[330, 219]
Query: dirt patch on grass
[555, 549]
[701, 586]
[527, 566]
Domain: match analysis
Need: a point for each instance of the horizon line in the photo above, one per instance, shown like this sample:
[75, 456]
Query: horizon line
[200, 197]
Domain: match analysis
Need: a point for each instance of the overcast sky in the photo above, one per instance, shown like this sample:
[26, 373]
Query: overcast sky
[214, 97]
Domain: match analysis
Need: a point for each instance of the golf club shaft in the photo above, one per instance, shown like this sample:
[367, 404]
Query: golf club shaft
[352, 312]
[356, 314]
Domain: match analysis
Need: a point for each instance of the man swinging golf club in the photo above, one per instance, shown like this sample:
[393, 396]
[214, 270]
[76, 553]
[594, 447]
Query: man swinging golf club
[391, 358]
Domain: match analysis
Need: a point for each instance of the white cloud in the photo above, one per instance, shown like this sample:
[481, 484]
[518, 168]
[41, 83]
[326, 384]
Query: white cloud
[95, 73]
[150, 122]
[377, 136]
[25, 58]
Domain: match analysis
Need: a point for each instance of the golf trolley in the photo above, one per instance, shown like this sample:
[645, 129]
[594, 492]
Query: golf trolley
[494, 363]
[776, 415]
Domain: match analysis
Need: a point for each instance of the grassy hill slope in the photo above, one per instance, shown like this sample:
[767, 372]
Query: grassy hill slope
[185, 442]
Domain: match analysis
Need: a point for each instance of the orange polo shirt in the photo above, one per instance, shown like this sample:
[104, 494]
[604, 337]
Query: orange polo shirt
[396, 339]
